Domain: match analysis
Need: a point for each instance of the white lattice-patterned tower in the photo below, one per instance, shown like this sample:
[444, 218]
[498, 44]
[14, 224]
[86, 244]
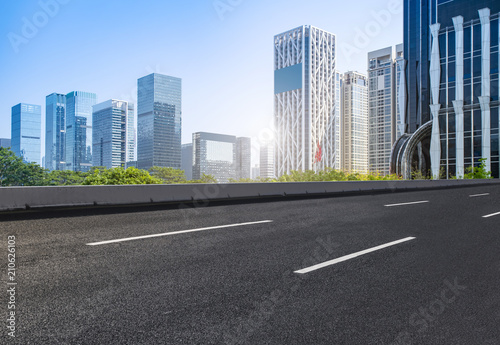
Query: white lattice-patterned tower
[306, 102]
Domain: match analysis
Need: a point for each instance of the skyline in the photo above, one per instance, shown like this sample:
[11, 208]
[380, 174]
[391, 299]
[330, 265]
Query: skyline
[222, 56]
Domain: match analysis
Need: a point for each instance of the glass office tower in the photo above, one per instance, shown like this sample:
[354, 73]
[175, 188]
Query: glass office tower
[79, 130]
[214, 154]
[159, 121]
[452, 76]
[26, 131]
[243, 157]
[306, 102]
[187, 160]
[5, 142]
[55, 131]
[354, 122]
[109, 134]
[131, 135]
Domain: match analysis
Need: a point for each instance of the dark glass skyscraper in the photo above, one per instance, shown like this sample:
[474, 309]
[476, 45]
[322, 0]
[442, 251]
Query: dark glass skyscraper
[159, 121]
[79, 130]
[26, 131]
[55, 131]
[452, 54]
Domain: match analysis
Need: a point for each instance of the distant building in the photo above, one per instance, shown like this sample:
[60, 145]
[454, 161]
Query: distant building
[55, 131]
[214, 154]
[109, 135]
[187, 160]
[26, 132]
[4, 142]
[131, 133]
[306, 101]
[159, 121]
[386, 99]
[79, 130]
[355, 122]
[255, 171]
[267, 169]
[243, 157]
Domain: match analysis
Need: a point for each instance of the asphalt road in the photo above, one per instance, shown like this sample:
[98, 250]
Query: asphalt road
[238, 284]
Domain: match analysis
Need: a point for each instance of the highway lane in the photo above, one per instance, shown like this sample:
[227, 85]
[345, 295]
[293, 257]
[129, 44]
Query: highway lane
[236, 285]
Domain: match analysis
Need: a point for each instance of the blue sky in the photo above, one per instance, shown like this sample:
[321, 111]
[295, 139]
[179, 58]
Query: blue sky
[222, 50]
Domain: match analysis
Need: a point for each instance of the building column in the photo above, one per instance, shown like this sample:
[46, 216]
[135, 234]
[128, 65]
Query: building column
[458, 104]
[402, 97]
[484, 100]
[435, 74]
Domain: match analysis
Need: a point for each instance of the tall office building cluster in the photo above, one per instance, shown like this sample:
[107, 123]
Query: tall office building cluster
[452, 74]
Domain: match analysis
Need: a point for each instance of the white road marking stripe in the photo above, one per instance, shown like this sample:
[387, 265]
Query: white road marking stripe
[352, 256]
[177, 232]
[407, 203]
[491, 215]
[475, 195]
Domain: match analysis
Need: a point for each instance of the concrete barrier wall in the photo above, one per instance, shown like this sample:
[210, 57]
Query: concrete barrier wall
[18, 198]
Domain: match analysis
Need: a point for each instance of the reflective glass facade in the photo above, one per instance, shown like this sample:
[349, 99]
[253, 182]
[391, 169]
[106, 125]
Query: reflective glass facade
[159, 114]
[26, 131]
[79, 130]
[243, 157]
[131, 135]
[214, 154]
[55, 131]
[109, 134]
[187, 160]
[4, 142]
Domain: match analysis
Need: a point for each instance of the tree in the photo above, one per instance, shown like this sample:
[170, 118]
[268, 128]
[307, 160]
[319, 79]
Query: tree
[15, 172]
[478, 172]
[168, 175]
[65, 178]
[120, 176]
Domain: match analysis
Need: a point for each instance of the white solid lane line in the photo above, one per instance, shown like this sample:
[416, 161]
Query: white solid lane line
[491, 215]
[476, 195]
[407, 203]
[352, 256]
[177, 232]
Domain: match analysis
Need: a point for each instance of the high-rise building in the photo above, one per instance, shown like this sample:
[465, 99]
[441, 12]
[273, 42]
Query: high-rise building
[55, 131]
[187, 160]
[386, 99]
[159, 121]
[255, 171]
[26, 132]
[243, 157]
[354, 122]
[453, 85]
[267, 169]
[306, 106]
[214, 154]
[4, 142]
[79, 130]
[109, 133]
[131, 135]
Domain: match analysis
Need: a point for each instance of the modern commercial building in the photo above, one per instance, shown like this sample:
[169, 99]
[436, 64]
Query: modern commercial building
[452, 75]
[131, 134]
[187, 160]
[243, 157]
[267, 169]
[109, 134]
[255, 171]
[55, 131]
[306, 102]
[354, 122]
[79, 130]
[214, 154]
[26, 131]
[4, 142]
[159, 121]
[386, 101]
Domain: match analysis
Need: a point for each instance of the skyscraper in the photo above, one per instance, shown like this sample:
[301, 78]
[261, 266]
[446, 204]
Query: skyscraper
[386, 99]
[79, 130]
[187, 160]
[243, 157]
[355, 122]
[55, 131]
[214, 154]
[109, 134]
[267, 155]
[306, 106]
[453, 85]
[131, 134]
[26, 131]
[4, 142]
[159, 121]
